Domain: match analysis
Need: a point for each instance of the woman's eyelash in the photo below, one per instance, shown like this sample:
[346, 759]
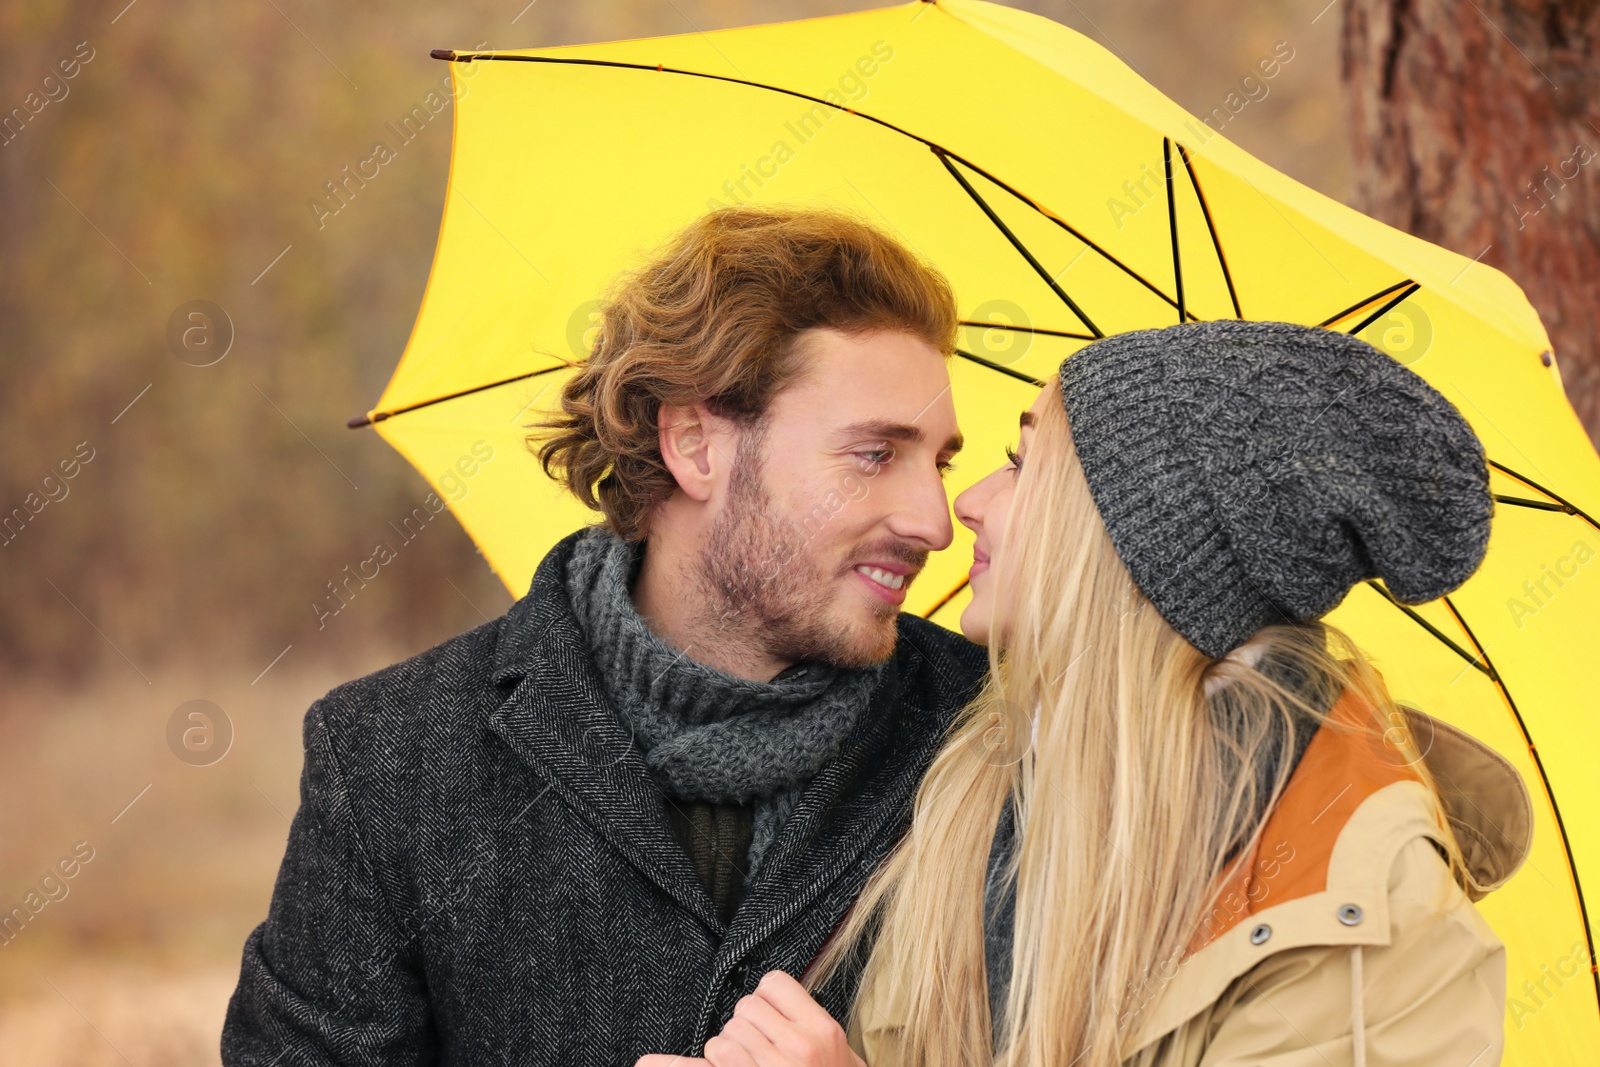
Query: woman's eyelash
[1012, 456]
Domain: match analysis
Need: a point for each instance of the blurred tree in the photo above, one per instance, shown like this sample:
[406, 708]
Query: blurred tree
[1475, 127]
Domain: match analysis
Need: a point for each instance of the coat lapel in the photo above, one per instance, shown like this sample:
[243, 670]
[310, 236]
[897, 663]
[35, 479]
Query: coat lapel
[829, 827]
[559, 721]
[849, 808]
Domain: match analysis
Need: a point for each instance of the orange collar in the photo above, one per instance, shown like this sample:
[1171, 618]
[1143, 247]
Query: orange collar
[1348, 759]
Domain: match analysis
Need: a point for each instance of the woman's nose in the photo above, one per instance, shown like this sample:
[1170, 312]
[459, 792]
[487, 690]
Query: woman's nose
[968, 506]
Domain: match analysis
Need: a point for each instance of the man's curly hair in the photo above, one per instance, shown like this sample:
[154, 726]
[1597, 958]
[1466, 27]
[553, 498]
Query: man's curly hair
[714, 318]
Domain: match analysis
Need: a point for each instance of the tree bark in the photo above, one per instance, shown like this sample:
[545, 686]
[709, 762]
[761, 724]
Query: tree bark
[1477, 126]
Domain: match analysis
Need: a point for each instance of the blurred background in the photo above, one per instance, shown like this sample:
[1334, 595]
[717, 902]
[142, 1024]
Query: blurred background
[158, 153]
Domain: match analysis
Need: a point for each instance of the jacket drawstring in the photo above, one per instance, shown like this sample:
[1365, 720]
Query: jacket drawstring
[1358, 1017]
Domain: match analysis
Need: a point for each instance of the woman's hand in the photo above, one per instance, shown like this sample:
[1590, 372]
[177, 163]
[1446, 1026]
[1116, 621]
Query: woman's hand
[778, 1025]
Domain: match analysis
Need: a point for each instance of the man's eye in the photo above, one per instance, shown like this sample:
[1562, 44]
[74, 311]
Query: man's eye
[945, 468]
[872, 456]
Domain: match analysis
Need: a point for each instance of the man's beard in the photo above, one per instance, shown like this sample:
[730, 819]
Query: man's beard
[767, 592]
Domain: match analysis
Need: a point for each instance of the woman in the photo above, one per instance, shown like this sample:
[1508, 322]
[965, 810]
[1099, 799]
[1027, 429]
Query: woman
[1214, 839]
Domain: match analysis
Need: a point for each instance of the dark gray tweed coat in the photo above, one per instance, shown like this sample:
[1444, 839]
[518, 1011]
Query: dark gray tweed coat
[481, 871]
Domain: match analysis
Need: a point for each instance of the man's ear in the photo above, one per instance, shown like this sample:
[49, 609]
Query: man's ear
[693, 443]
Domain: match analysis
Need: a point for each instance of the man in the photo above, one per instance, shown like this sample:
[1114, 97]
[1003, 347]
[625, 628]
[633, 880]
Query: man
[579, 833]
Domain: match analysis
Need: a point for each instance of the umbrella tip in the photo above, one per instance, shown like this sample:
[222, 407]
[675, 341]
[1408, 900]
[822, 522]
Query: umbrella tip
[443, 53]
[358, 422]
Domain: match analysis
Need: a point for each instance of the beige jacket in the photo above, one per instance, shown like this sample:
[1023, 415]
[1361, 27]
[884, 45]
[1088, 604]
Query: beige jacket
[1344, 942]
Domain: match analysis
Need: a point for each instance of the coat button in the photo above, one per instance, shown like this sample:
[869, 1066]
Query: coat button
[1260, 933]
[1350, 914]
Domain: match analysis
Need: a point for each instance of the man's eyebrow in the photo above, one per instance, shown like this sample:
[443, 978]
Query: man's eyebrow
[896, 431]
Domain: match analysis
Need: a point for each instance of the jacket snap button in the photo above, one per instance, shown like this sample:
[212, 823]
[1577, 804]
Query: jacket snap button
[1350, 914]
[1260, 934]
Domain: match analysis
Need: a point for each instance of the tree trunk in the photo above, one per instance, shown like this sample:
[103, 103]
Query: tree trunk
[1477, 126]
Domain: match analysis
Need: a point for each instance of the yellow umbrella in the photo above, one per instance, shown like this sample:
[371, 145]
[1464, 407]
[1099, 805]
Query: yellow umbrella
[1065, 198]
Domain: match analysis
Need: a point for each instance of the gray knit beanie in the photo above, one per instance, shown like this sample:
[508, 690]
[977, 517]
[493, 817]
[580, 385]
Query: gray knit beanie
[1251, 473]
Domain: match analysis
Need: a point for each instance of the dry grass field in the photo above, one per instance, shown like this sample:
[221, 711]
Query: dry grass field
[131, 960]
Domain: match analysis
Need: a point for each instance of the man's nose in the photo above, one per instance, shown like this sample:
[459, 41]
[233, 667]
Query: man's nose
[924, 513]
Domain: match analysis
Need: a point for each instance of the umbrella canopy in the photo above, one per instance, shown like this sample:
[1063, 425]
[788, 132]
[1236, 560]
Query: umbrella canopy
[1066, 199]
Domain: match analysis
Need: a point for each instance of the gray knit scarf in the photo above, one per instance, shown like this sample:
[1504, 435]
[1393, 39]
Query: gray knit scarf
[705, 734]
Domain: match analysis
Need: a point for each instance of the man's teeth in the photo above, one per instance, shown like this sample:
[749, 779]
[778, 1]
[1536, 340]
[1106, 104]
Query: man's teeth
[884, 578]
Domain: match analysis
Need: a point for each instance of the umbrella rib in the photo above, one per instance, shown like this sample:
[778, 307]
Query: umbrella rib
[999, 367]
[1384, 308]
[1211, 226]
[1565, 504]
[1051, 216]
[1359, 304]
[363, 420]
[1029, 329]
[1172, 225]
[1016, 243]
[467, 57]
[1549, 793]
[1542, 505]
[945, 599]
[1431, 628]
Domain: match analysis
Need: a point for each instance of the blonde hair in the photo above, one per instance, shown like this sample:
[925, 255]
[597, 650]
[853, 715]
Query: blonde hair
[1138, 794]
